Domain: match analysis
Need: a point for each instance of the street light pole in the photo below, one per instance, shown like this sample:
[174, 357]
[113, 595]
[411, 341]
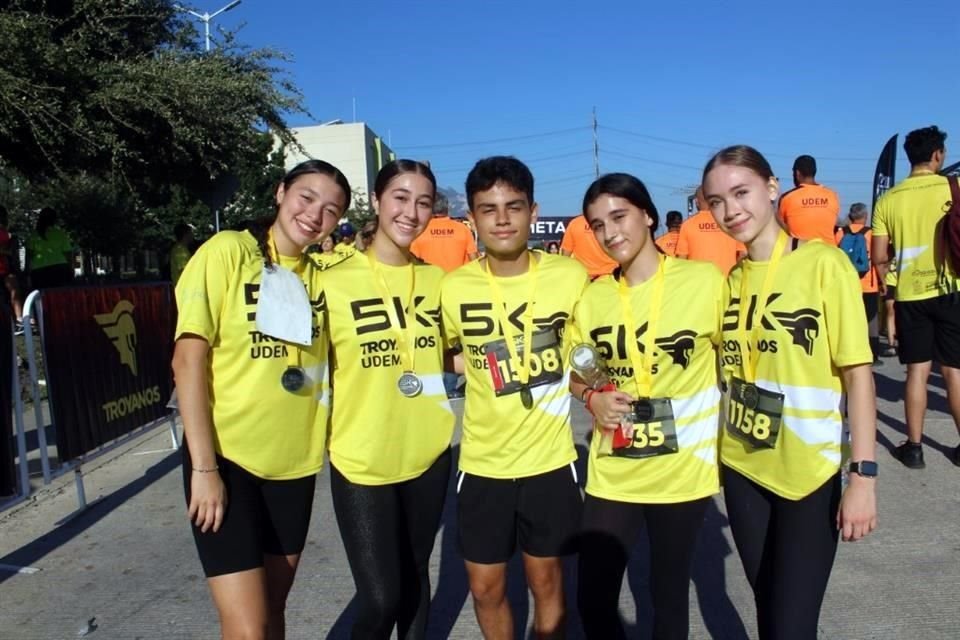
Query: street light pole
[205, 18]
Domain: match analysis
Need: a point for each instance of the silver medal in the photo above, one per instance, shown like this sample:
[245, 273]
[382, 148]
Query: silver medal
[409, 384]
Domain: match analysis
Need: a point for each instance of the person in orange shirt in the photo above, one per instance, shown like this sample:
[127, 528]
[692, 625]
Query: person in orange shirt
[810, 210]
[445, 243]
[579, 242]
[701, 238]
[870, 281]
[668, 241]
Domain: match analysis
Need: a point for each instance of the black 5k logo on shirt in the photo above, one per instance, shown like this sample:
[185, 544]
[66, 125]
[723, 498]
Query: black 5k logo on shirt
[371, 314]
[477, 321]
[803, 325]
[678, 345]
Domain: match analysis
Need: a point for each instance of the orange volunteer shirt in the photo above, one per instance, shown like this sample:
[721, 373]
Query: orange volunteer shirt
[446, 243]
[668, 242]
[870, 281]
[701, 238]
[810, 211]
[579, 241]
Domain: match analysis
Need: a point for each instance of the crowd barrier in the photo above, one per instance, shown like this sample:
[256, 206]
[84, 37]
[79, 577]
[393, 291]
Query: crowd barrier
[106, 352]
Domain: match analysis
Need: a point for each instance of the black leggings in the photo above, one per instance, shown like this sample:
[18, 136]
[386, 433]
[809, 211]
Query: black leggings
[609, 531]
[787, 548]
[388, 533]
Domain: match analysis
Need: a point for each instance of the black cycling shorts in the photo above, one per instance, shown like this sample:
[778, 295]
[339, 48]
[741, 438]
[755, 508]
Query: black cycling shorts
[262, 517]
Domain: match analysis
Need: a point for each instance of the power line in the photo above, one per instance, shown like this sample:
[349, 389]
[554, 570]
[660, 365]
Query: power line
[527, 161]
[696, 145]
[566, 179]
[596, 146]
[652, 161]
[533, 136]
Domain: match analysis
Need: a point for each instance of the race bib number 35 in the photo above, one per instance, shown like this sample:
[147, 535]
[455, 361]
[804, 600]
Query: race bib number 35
[546, 365]
[753, 414]
[654, 430]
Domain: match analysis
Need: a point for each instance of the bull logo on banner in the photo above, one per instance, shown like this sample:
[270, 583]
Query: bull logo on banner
[122, 331]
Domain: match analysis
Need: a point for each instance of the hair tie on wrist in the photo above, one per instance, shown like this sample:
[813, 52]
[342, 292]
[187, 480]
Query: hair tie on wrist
[210, 470]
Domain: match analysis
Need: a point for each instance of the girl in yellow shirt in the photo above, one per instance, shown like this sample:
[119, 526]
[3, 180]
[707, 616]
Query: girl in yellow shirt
[794, 340]
[251, 380]
[392, 424]
[656, 324]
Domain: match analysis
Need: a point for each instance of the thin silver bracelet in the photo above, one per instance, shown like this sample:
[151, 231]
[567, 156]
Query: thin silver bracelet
[210, 470]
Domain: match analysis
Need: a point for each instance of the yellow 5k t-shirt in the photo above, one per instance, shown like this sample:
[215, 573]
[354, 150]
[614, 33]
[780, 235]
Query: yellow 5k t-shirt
[813, 325]
[685, 371]
[501, 437]
[270, 432]
[910, 214]
[377, 435]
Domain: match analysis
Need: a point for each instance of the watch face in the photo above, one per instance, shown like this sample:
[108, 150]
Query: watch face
[865, 468]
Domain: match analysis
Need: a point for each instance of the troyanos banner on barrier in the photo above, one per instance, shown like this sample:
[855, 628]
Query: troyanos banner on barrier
[107, 351]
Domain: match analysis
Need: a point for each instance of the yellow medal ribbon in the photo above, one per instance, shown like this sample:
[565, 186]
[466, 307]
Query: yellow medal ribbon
[523, 369]
[751, 344]
[405, 339]
[643, 363]
[275, 257]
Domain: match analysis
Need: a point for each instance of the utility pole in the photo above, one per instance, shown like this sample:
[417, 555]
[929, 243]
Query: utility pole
[596, 146]
[206, 17]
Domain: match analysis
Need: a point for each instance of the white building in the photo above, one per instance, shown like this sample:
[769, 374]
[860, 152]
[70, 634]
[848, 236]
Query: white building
[352, 147]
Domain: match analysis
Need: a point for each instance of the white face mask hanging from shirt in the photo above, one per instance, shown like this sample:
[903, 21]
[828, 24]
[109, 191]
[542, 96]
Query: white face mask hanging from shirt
[283, 307]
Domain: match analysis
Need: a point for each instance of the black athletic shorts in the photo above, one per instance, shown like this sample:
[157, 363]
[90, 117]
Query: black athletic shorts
[929, 330]
[262, 517]
[891, 293]
[541, 511]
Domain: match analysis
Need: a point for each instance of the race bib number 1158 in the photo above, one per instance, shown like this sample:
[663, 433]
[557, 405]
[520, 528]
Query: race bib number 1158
[753, 414]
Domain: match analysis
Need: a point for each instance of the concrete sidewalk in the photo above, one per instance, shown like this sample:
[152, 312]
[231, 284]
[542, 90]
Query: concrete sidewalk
[129, 560]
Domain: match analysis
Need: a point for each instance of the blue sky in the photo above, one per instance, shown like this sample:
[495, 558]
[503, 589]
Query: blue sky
[672, 82]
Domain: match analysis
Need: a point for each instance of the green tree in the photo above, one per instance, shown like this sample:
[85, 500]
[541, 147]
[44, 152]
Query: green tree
[111, 101]
[360, 211]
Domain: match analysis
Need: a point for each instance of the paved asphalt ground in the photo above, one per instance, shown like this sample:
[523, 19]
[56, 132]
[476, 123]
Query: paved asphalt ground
[129, 565]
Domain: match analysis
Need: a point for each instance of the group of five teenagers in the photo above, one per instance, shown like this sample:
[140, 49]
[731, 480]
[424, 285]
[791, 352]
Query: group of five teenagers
[793, 341]
[516, 482]
[656, 324]
[392, 424]
[250, 364]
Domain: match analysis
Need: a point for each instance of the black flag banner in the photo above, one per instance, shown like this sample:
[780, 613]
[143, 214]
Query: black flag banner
[884, 176]
[107, 351]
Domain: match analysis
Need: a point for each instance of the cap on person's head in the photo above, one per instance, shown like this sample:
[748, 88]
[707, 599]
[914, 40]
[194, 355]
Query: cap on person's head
[346, 230]
[805, 166]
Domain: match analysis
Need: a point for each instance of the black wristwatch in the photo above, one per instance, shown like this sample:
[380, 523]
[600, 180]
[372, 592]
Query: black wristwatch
[865, 468]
